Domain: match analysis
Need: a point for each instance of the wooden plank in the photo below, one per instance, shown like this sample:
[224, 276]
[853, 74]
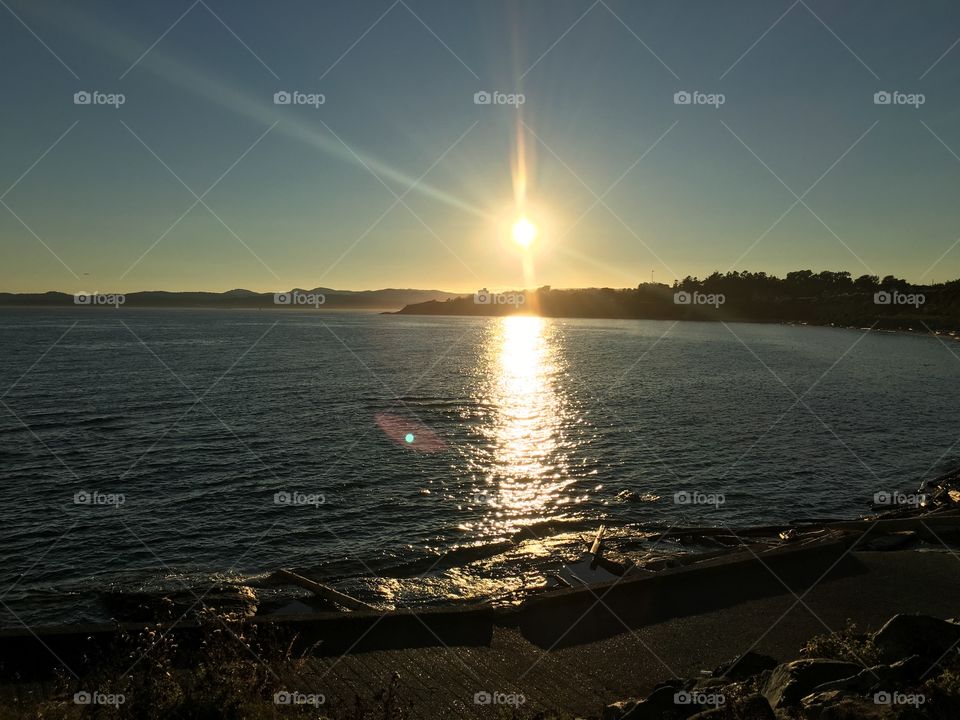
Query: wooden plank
[324, 591]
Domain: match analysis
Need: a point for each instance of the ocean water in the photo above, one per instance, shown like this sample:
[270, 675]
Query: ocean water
[418, 460]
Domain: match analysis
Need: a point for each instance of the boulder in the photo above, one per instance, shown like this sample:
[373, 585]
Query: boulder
[904, 672]
[751, 707]
[905, 635]
[660, 704]
[745, 666]
[618, 709]
[789, 682]
[833, 705]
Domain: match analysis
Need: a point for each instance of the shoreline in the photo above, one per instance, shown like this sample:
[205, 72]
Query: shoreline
[623, 638]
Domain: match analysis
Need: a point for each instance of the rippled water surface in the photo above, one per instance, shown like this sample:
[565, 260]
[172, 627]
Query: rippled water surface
[455, 458]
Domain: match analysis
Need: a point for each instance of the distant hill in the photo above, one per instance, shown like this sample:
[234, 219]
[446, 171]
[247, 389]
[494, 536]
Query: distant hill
[803, 297]
[297, 298]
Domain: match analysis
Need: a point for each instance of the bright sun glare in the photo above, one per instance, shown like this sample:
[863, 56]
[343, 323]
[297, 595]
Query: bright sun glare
[524, 232]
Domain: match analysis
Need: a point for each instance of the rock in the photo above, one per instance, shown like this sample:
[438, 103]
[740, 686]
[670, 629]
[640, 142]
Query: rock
[906, 635]
[862, 682]
[791, 681]
[618, 709]
[751, 707]
[745, 666]
[909, 670]
[755, 707]
[833, 705]
[660, 704]
[893, 541]
[821, 698]
[905, 672]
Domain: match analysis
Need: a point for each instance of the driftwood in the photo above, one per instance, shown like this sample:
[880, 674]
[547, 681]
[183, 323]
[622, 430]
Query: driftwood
[324, 591]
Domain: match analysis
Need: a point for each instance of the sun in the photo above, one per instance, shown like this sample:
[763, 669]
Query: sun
[524, 232]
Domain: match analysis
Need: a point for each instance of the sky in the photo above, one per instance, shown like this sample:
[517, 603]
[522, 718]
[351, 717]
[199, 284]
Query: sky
[200, 181]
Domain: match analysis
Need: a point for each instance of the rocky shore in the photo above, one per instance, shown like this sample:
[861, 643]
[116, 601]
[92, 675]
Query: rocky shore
[907, 668]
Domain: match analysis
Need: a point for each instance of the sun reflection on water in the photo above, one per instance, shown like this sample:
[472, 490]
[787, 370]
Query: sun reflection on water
[525, 472]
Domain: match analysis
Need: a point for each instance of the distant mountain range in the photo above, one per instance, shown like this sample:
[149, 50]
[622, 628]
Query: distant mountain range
[297, 298]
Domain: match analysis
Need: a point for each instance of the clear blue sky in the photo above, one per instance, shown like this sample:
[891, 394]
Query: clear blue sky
[599, 80]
